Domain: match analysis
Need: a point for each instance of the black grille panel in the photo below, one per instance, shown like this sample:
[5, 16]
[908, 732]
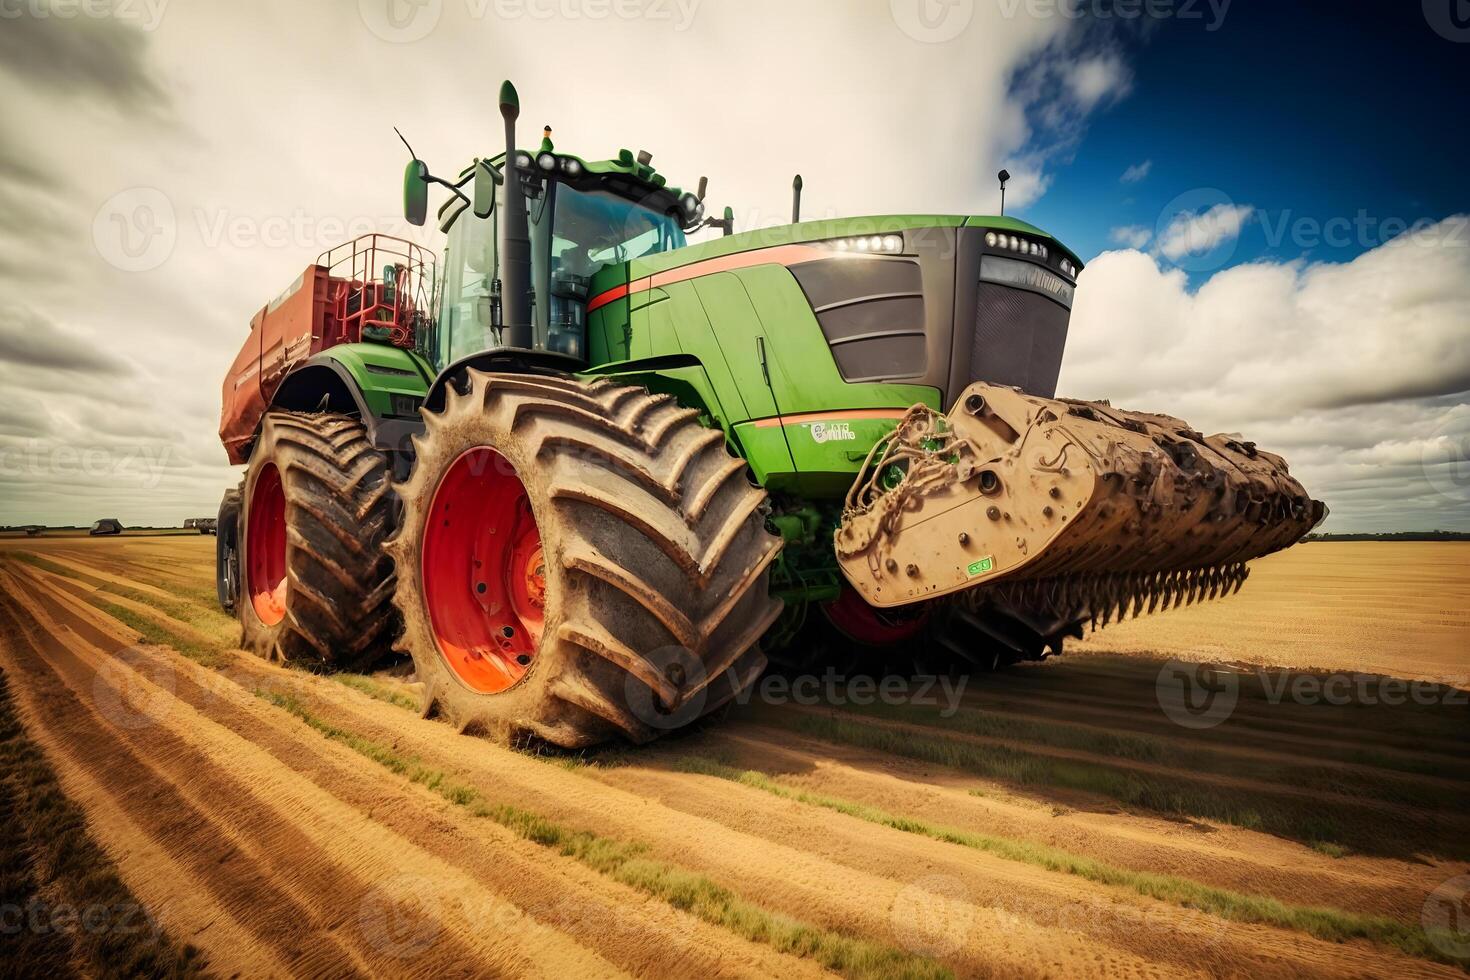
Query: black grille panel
[871, 311]
[1019, 339]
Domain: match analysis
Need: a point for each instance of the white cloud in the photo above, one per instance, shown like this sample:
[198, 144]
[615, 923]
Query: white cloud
[1027, 184]
[1357, 372]
[232, 145]
[1131, 236]
[1096, 79]
[1137, 172]
[1196, 234]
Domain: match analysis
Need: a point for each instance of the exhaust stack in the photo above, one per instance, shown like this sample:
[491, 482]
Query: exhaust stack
[515, 237]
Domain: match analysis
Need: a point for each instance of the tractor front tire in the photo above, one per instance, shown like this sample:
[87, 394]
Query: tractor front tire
[317, 507]
[579, 562]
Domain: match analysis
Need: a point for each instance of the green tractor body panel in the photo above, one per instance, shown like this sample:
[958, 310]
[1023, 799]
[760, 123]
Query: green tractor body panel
[728, 327]
[804, 344]
[392, 381]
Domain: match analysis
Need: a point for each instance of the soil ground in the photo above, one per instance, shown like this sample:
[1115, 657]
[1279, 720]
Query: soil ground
[1300, 809]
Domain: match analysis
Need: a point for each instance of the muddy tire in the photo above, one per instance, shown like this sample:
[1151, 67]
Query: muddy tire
[227, 550]
[579, 562]
[316, 584]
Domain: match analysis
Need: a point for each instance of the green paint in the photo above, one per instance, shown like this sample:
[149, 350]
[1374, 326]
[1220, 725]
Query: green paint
[982, 566]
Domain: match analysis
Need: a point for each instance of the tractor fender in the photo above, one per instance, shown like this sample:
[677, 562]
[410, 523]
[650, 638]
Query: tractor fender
[504, 361]
[341, 379]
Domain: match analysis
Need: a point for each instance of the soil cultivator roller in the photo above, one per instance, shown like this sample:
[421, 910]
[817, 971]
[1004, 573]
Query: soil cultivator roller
[1058, 506]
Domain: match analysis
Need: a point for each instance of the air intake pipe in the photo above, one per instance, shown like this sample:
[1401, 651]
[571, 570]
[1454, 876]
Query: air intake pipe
[515, 238]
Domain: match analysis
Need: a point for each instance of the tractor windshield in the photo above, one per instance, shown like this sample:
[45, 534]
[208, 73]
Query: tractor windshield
[574, 233]
[595, 228]
[591, 229]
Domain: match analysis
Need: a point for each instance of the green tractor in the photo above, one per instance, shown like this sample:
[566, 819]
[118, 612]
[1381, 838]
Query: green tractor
[589, 475]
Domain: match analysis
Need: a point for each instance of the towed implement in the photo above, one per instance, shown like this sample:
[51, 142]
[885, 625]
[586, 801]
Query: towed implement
[589, 476]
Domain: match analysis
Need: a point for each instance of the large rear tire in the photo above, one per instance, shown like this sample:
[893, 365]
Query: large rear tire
[317, 507]
[227, 550]
[579, 562]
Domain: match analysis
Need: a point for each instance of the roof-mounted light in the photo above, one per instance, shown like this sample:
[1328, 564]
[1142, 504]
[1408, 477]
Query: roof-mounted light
[546, 161]
[571, 166]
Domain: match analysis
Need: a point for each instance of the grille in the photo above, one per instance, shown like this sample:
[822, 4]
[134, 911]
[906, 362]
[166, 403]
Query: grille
[871, 312]
[1019, 338]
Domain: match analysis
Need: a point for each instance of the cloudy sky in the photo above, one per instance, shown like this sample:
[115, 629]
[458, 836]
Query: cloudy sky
[1269, 196]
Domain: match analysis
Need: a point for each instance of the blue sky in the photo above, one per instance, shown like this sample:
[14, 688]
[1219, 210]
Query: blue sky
[1307, 110]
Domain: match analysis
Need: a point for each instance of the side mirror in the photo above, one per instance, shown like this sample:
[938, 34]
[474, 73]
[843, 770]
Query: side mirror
[485, 181]
[416, 192]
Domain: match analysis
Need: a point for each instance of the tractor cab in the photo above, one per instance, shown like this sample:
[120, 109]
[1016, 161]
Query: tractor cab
[584, 221]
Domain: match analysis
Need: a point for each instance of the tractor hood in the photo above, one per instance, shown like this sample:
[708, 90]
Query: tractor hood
[936, 300]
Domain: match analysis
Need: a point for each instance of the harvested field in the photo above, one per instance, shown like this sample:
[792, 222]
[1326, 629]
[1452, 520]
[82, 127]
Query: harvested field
[1109, 813]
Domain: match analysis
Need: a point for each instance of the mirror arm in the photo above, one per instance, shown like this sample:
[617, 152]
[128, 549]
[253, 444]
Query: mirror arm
[444, 183]
[494, 172]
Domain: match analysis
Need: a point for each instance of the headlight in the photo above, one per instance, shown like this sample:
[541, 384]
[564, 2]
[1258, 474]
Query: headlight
[571, 166]
[871, 244]
[523, 161]
[990, 239]
[1015, 244]
[546, 161]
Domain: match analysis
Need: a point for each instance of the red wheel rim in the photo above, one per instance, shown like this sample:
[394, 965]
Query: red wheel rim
[862, 623]
[484, 574]
[265, 547]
